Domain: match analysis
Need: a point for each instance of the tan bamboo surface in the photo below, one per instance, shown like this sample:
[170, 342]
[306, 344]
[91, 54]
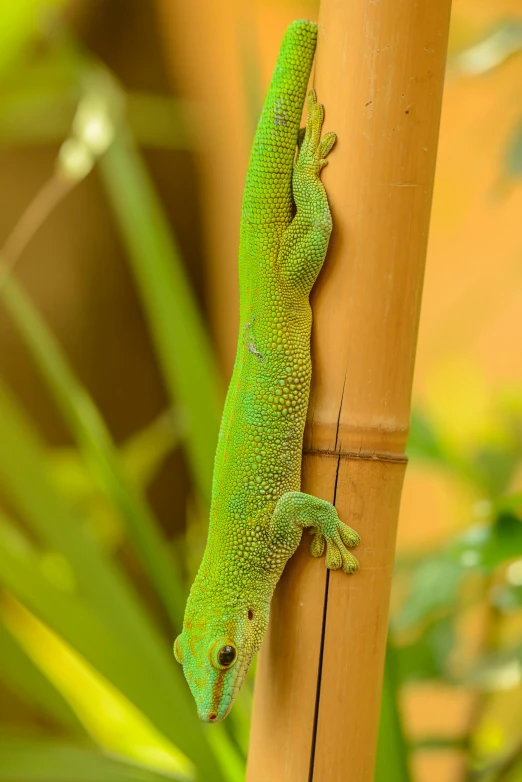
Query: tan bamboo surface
[379, 72]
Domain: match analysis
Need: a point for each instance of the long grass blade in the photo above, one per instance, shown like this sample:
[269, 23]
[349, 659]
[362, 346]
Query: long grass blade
[183, 348]
[114, 723]
[25, 759]
[157, 693]
[121, 642]
[94, 440]
[19, 672]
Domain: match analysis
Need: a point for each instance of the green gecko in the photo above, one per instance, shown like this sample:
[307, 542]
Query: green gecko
[258, 512]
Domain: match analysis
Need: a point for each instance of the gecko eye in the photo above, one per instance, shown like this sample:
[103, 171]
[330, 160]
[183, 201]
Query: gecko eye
[223, 654]
[177, 650]
[226, 656]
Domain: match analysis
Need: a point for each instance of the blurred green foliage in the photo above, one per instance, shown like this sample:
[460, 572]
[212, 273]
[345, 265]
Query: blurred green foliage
[80, 647]
[68, 512]
[476, 573]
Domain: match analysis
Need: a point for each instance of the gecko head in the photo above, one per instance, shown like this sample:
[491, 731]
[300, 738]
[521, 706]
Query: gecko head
[215, 649]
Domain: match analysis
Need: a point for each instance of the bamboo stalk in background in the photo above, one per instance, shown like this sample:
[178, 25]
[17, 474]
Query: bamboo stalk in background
[379, 72]
[201, 38]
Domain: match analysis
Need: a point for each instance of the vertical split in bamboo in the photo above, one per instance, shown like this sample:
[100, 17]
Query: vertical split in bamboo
[379, 72]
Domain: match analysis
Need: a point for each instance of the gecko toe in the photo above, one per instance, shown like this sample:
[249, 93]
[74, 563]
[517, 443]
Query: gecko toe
[325, 145]
[334, 559]
[348, 536]
[339, 537]
[350, 563]
[317, 545]
[312, 150]
[311, 99]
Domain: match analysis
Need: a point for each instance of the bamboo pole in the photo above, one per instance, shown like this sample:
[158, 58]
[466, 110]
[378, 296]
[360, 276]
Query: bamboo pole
[379, 72]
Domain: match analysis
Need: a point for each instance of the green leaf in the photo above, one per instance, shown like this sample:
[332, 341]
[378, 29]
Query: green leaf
[513, 153]
[506, 598]
[494, 468]
[151, 684]
[93, 438]
[496, 671]
[435, 587]
[22, 457]
[144, 453]
[21, 22]
[182, 345]
[423, 442]
[493, 50]
[27, 681]
[26, 759]
[111, 721]
[505, 542]
[511, 503]
[100, 614]
[427, 743]
[488, 546]
[44, 114]
[425, 657]
[156, 121]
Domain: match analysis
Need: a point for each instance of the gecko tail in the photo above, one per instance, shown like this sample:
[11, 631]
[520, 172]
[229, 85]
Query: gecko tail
[268, 190]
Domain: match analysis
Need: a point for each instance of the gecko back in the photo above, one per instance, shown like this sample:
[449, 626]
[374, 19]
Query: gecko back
[258, 512]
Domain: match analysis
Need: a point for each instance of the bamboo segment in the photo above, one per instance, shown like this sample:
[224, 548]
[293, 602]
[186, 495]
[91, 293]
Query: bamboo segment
[379, 72]
[295, 630]
[356, 625]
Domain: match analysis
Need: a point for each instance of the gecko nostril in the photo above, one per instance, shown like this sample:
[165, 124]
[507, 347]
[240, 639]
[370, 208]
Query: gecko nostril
[250, 613]
[212, 717]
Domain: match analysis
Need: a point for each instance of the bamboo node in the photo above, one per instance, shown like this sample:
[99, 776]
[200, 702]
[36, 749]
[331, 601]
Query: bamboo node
[374, 456]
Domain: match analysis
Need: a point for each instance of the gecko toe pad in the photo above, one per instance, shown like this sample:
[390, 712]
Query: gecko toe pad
[338, 537]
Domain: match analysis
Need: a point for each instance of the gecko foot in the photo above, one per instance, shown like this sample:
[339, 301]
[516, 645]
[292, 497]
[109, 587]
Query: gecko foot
[313, 149]
[339, 537]
[305, 510]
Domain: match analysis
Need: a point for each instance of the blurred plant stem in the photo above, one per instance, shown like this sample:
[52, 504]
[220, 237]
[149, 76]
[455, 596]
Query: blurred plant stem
[490, 637]
[53, 191]
[182, 345]
[509, 764]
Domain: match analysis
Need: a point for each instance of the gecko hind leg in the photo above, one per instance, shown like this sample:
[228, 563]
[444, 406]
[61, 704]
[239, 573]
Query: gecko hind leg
[310, 145]
[312, 149]
[305, 241]
[298, 510]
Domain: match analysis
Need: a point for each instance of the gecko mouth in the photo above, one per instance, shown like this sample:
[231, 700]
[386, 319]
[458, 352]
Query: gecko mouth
[222, 702]
[218, 714]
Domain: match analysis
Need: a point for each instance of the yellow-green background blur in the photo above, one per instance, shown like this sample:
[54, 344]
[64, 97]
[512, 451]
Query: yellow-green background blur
[125, 127]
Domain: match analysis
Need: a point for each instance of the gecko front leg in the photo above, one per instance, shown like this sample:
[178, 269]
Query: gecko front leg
[295, 511]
